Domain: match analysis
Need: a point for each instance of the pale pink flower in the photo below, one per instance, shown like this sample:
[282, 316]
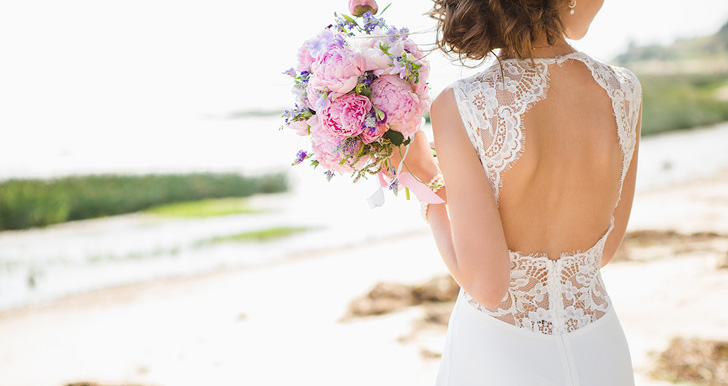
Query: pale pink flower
[374, 58]
[403, 106]
[336, 69]
[300, 126]
[317, 100]
[345, 116]
[326, 149]
[360, 7]
[304, 59]
[421, 86]
[312, 47]
[314, 122]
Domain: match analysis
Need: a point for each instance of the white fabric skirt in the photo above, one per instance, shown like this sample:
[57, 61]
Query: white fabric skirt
[482, 350]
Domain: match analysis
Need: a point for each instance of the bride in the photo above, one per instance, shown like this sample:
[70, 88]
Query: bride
[536, 160]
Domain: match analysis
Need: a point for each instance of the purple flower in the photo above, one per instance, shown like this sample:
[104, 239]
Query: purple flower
[398, 68]
[392, 32]
[290, 72]
[350, 146]
[300, 156]
[394, 185]
[339, 41]
[371, 22]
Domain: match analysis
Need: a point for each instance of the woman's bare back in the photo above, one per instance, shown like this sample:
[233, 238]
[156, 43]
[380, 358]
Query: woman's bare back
[559, 196]
[555, 140]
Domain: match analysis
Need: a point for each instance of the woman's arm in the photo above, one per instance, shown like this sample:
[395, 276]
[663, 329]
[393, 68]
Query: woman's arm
[624, 208]
[467, 229]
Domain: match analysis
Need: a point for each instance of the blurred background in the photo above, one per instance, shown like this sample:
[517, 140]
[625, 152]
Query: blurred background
[141, 146]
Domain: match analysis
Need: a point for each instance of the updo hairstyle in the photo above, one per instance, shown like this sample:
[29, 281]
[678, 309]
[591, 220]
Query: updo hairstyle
[474, 28]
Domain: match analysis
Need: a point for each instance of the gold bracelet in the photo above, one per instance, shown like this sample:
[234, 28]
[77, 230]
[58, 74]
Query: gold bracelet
[435, 184]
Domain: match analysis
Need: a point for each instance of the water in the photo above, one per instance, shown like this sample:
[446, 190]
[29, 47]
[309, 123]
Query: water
[42, 264]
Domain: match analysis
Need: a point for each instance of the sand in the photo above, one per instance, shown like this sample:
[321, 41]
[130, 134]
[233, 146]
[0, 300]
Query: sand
[281, 323]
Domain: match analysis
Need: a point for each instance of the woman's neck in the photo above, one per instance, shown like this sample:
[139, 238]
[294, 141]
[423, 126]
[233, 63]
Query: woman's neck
[540, 48]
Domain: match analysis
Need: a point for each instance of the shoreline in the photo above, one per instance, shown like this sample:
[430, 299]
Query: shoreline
[240, 325]
[91, 254]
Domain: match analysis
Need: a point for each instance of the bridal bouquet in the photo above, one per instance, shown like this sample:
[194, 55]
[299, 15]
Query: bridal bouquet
[361, 91]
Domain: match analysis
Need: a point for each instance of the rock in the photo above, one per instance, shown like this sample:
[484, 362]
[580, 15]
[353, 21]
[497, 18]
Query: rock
[429, 354]
[697, 361]
[439, 289]
[388, 297]
[383, 298]
[723, 261]
[438, 313]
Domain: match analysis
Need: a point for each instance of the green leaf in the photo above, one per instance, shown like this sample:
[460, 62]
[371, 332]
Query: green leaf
[407, 141]
[395, 137]
[380, 113]
[385, 9]
[350, 20]
[385, 48]
[362, 89]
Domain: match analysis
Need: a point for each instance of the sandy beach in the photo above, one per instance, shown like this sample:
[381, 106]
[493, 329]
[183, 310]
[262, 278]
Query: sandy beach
[284, 322]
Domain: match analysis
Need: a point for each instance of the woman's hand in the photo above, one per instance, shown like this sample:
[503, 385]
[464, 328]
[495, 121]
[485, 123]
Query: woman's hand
[419, 160]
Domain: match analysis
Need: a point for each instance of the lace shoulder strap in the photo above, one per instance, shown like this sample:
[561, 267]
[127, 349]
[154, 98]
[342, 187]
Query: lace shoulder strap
[625, 91]
[491, 106]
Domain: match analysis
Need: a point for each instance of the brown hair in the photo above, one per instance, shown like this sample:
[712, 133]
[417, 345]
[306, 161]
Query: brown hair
[474, 28]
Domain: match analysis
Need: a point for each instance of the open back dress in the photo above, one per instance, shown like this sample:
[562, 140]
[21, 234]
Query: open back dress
[556, 324]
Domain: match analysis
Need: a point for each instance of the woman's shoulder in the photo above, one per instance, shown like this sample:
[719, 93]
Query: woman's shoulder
[447, 111]
[445, 103]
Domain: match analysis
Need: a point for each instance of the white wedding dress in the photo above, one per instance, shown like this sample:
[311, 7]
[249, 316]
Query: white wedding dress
[556, 324]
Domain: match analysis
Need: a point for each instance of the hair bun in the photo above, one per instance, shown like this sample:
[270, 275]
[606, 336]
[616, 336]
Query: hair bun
[471, 29]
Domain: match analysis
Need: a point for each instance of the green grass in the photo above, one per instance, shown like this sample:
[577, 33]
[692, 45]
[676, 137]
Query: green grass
[266, 234]
[26, 203]
[204, 208]
[681, 101]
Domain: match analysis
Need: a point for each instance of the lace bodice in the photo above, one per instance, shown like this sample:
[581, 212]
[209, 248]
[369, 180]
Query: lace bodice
[546, 296]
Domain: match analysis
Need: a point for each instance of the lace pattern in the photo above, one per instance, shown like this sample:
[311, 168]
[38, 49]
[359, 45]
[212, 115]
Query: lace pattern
[545, 296]
[492, 107]
[553, 296]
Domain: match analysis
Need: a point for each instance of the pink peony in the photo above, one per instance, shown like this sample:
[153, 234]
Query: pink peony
[345, 116]
[326, 149]
[403, 106]
[371, 134]
[360, 7]
[336, 69]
